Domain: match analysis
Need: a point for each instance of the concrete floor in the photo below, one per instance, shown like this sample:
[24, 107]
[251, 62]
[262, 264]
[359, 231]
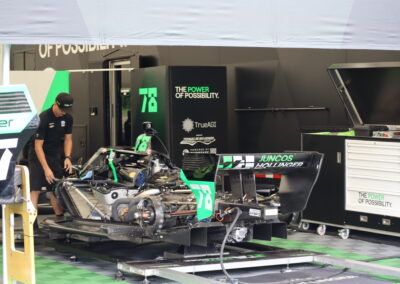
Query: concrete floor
[55, 266]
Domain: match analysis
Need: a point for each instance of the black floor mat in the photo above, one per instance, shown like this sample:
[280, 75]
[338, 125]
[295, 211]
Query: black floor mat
[314, 275]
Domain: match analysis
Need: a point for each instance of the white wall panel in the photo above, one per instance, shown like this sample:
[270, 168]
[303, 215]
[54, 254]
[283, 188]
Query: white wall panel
[373, 177]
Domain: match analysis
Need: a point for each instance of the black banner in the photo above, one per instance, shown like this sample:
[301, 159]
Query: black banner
[199, 123]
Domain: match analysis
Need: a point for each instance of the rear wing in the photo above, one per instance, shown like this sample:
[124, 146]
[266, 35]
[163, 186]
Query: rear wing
[298, 170]
[270, 162]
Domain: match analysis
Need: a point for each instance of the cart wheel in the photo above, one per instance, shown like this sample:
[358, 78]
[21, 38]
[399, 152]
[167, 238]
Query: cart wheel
[145, 281]
[73, 258]
[321, 230]
[304, 226]
[344, 233]
[119, 275]
[19, 236]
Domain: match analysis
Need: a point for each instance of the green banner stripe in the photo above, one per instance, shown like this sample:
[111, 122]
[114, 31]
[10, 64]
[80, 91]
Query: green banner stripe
[60, 84]
[293, 244]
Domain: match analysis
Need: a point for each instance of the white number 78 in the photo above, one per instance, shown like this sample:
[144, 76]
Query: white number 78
[7, 155]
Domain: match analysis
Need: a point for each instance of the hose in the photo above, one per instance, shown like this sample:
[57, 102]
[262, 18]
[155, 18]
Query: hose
[229, 277]
[114, 208]
[111, 165]
[221, 253]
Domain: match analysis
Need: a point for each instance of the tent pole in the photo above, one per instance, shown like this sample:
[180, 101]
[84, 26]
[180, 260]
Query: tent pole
[5, 81]
[1, 64]
[6, 65]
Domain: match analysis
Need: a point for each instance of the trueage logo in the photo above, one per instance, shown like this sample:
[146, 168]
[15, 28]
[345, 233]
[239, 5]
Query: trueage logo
[188, 125]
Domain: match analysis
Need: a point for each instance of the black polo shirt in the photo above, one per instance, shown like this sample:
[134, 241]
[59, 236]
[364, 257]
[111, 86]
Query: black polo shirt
[52, 130]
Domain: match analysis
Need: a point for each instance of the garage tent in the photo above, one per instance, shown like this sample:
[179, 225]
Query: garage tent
[344, 24]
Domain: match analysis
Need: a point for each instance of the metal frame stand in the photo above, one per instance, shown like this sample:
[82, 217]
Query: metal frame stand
[183, 271]
[20, 264]
[4, 80]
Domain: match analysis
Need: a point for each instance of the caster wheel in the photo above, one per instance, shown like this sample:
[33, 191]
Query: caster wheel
[321, 230]
[304, 226]
[73, 258]
[19, 236]
[344, 233]
[145, 281]
[119, 275]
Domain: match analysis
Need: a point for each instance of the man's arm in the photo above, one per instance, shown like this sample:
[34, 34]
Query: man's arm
[48, 173]
[67, 152]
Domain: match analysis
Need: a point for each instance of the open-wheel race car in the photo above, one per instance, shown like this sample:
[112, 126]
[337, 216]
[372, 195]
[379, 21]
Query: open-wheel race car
[125, 194]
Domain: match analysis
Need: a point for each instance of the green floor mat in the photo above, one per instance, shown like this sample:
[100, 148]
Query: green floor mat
[49, 271]
[291, 244]
[393, 262]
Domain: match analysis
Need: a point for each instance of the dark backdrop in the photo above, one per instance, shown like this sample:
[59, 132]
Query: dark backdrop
[256, 77]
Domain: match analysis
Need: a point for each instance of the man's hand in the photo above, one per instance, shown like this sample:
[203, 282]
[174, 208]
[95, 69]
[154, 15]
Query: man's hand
[68, 165]
[48, 173]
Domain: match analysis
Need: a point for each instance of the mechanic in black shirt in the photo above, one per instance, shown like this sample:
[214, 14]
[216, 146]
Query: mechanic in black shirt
[50, 154]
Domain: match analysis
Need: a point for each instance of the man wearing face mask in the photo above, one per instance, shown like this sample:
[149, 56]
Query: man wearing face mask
[50, 153]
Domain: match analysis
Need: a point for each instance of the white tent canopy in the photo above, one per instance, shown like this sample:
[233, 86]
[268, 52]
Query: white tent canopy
[345, 24]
